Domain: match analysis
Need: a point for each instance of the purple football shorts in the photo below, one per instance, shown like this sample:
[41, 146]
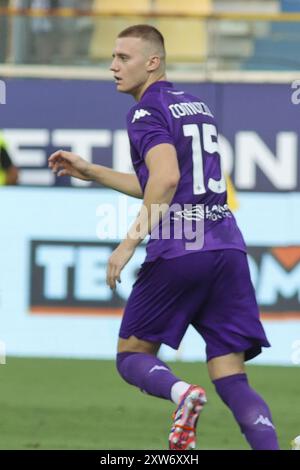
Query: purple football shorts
[210, 290]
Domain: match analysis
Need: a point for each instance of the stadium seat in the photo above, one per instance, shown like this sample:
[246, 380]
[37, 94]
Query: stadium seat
[104, 35]
[286, 29]
[106, 29]
[124, 6]
[186, 6]
[186, 41]
[290, 5]
[270, 54]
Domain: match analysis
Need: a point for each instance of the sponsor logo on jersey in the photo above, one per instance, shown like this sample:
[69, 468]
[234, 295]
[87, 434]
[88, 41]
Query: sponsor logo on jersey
[196, 213]
[199, 212]
[140, 113]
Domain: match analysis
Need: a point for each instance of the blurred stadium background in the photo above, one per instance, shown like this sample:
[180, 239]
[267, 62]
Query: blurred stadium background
[56, 314]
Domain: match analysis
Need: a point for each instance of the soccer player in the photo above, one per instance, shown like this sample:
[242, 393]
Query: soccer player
[174, 150]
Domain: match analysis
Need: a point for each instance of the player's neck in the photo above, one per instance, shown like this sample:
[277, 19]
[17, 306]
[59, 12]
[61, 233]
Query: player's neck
[139, 93]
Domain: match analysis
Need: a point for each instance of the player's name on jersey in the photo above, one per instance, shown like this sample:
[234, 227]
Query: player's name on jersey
[179, 110]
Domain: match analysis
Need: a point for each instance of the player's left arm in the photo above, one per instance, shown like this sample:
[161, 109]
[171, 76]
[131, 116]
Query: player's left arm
[164, 175]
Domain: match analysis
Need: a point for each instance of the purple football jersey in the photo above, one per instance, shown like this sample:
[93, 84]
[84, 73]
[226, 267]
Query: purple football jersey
[167, 115]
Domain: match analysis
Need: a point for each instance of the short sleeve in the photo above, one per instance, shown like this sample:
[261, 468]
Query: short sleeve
[147, 127]
[5, 161]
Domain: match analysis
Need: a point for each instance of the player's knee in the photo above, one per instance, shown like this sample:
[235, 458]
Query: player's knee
[136, 345]
[122, 364]
[226, 387]
[119, 362]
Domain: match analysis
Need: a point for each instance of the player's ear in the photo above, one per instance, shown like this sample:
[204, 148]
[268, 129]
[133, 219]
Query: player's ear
[153, 63]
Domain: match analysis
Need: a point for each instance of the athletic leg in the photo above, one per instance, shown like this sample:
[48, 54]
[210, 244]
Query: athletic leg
[247, 406]
[159, 310]
[138, 365]
[230, 326]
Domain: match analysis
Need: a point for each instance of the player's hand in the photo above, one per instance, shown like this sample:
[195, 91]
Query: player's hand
[118, 259]
[69, 164]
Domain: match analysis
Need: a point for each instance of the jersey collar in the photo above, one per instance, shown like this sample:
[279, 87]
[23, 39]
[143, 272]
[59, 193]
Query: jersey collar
[157, 86]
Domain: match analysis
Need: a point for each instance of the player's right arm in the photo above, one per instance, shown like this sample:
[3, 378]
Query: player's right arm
[69, 164]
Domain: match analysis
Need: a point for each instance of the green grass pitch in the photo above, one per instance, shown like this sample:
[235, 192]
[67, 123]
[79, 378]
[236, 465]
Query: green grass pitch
[84, 404]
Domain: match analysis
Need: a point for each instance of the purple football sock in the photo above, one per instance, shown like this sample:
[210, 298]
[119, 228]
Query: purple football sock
[147, 372]
[249, 410]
